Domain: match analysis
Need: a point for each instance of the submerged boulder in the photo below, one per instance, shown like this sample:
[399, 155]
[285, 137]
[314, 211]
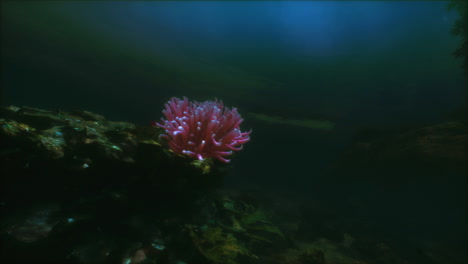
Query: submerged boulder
[430, 150]
[111, 185]
[78, 188]
[48, 153]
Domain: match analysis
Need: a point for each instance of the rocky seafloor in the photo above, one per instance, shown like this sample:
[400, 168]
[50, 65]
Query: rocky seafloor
[77, 188]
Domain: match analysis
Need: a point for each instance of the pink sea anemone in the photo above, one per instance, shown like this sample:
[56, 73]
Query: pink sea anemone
[202, 129]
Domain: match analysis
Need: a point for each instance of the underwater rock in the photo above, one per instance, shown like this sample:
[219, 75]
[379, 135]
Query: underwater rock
[82, 189]
[36, 225]
[312, 256]
[49, 153]
[119, 196]
[227, 229]
[321, 251]
[217, 246]
[97, 252]
[440, 146]
[108, 179]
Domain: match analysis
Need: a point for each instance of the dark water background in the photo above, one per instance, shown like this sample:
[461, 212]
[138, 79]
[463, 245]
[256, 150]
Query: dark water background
[371, 64]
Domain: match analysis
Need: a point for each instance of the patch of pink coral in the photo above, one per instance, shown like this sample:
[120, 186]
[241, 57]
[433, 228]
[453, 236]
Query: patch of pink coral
[202, 129]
